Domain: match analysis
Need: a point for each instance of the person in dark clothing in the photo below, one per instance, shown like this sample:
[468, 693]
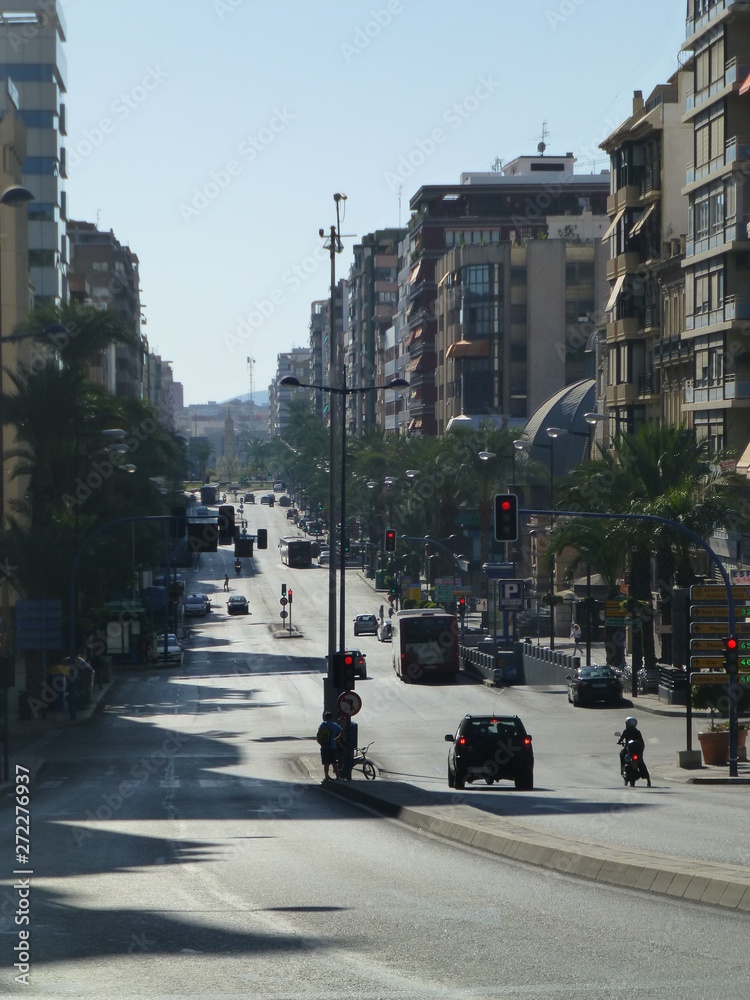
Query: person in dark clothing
[633, 734]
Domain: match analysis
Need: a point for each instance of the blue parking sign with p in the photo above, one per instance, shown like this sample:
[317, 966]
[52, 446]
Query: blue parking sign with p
[510, 595]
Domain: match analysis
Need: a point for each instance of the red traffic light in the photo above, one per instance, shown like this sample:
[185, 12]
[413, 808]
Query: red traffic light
[348, 660]
[289, 595]
[505, 504]
[731, 643]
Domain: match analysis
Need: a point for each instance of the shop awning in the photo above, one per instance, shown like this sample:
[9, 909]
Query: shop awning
[639, 224]
[614, 294]
[468, 349]
[613, 224]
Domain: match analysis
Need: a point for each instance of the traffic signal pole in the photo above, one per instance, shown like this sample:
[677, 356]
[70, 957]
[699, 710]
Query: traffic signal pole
[732, 671]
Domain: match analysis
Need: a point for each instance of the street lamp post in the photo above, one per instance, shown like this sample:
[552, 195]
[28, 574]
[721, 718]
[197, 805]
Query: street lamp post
[342, 391]
[554, 433]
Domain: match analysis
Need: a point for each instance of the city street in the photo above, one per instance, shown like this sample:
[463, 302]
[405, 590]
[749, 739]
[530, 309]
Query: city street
[179, 823]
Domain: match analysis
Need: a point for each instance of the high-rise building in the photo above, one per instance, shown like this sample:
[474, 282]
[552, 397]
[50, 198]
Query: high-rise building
[32, 81]
[510, 206]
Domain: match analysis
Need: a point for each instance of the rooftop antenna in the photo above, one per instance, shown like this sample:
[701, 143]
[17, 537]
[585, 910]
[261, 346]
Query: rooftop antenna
[400, 189]
[496, 166]
[542, 145]
[251, 374]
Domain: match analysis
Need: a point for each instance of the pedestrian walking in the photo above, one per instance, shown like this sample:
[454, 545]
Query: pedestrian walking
[575, 635]
[226, 582]
[328, 740]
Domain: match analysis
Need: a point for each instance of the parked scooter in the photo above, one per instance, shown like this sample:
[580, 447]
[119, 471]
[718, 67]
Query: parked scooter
[631, 761]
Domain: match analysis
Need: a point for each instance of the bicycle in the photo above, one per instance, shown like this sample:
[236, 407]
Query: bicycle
[360, 760]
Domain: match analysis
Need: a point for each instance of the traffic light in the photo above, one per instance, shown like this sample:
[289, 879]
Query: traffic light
[345, 544]
[283, 590]
[731, 654]
[462, 606]
[390, 540]
[262, 538]
[343, 671]
[506, 517]
[289, 595]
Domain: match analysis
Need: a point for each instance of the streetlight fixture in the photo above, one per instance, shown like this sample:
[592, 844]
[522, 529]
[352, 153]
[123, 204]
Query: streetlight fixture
[554, 433]
[342, 391]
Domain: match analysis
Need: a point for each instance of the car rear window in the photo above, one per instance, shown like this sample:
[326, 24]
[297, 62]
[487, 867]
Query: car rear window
[491, 727]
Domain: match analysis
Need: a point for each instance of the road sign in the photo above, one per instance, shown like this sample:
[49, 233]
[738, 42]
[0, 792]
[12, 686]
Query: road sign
[742, 629]
[709, 678]
[701, 593]
[349, 703]
[707, 645]
[719, 613]
[510, 595]
[706, 662]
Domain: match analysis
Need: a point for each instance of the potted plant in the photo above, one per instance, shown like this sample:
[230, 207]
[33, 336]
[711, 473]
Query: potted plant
[714, 739]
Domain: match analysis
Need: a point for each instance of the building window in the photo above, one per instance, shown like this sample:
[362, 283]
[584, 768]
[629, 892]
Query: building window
[476, 279]
[709, 426]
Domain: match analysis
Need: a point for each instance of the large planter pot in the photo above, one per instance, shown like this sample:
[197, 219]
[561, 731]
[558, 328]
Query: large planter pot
[715, 746]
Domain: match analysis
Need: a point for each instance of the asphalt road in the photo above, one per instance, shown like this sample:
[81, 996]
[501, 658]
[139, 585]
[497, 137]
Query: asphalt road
[178, 850]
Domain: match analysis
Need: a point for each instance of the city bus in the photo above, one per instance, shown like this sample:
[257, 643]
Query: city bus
[296, 551]
[425, 645]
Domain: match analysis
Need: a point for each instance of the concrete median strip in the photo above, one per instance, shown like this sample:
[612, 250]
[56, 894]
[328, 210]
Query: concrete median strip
[685, 878]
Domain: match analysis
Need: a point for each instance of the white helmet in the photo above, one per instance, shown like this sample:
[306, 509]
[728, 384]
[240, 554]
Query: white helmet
[631, 723]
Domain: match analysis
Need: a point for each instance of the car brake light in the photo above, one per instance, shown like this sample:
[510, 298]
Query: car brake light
[527, 741]
[461, 740]
[635, 756]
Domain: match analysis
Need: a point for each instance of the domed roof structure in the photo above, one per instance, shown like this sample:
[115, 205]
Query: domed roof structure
[564, 411]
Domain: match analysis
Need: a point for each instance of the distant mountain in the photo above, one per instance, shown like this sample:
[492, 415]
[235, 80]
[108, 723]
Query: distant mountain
[260, 398]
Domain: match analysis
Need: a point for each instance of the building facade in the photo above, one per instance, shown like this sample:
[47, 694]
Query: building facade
[32, 82]
[511, 206]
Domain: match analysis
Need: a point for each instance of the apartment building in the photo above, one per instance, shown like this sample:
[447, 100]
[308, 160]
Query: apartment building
[512, 206]
[503, 348]
[104, 275]
[644, 361]
[372, 300]
[717, 252]
[33, 72]
[325, 354]
[296, 362]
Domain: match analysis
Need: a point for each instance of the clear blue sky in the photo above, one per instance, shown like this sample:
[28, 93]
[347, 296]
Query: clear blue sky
[211, 135]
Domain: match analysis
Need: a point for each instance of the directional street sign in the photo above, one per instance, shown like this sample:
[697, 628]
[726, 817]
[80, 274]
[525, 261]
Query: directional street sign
[707, 645]
[700, 593]
[718, 613]
[706, 662]
[709, 678]
[719, 628]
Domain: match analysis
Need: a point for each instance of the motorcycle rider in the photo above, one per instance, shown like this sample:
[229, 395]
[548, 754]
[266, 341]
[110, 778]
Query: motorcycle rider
[633, 734]
[238, 567]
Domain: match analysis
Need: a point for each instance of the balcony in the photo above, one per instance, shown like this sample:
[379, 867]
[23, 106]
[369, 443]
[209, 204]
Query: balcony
[735, 308]
[671, 349]
[733, 74]
[623, 263]
[695, 24]
[624, 197]
[736, 150]
[714, 241]
[648, 384]
[718, 392]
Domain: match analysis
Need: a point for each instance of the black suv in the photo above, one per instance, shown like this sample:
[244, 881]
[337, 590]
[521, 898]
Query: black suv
[491, 747]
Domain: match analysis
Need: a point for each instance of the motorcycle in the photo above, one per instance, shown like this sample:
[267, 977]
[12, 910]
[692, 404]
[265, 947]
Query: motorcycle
[238, 568]
[631, 761]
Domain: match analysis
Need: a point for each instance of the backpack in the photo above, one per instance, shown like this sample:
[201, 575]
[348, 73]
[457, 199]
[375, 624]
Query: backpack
[324, 735]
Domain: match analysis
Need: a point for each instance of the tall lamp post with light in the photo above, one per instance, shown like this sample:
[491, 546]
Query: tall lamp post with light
[342, 391]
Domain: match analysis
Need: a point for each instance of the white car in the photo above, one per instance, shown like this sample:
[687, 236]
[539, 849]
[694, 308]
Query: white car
[197, 604]
[385, 632]
[174, 649]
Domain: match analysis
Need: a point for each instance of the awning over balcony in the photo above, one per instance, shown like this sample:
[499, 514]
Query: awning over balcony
[415, 334]
[614, 294]
[613, 224]
[639, 224]
[415, 364]
[415, 423]
[468, 349]
[415, 273]
[746, 85]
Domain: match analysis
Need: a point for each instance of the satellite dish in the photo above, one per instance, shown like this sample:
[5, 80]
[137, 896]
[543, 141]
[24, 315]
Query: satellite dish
[540, 148]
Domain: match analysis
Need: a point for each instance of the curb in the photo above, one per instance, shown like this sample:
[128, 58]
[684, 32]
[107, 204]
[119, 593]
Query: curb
[684, 878]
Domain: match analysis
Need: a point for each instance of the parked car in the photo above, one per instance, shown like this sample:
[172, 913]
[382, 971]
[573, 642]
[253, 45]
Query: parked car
[488, 748]
[268, 498]
[365, 625]
[360, 663]
[385, 632]
[290, 514]
[237, 605]
[249, 498]
[197, 604]
[174, 649]
[592, 684]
